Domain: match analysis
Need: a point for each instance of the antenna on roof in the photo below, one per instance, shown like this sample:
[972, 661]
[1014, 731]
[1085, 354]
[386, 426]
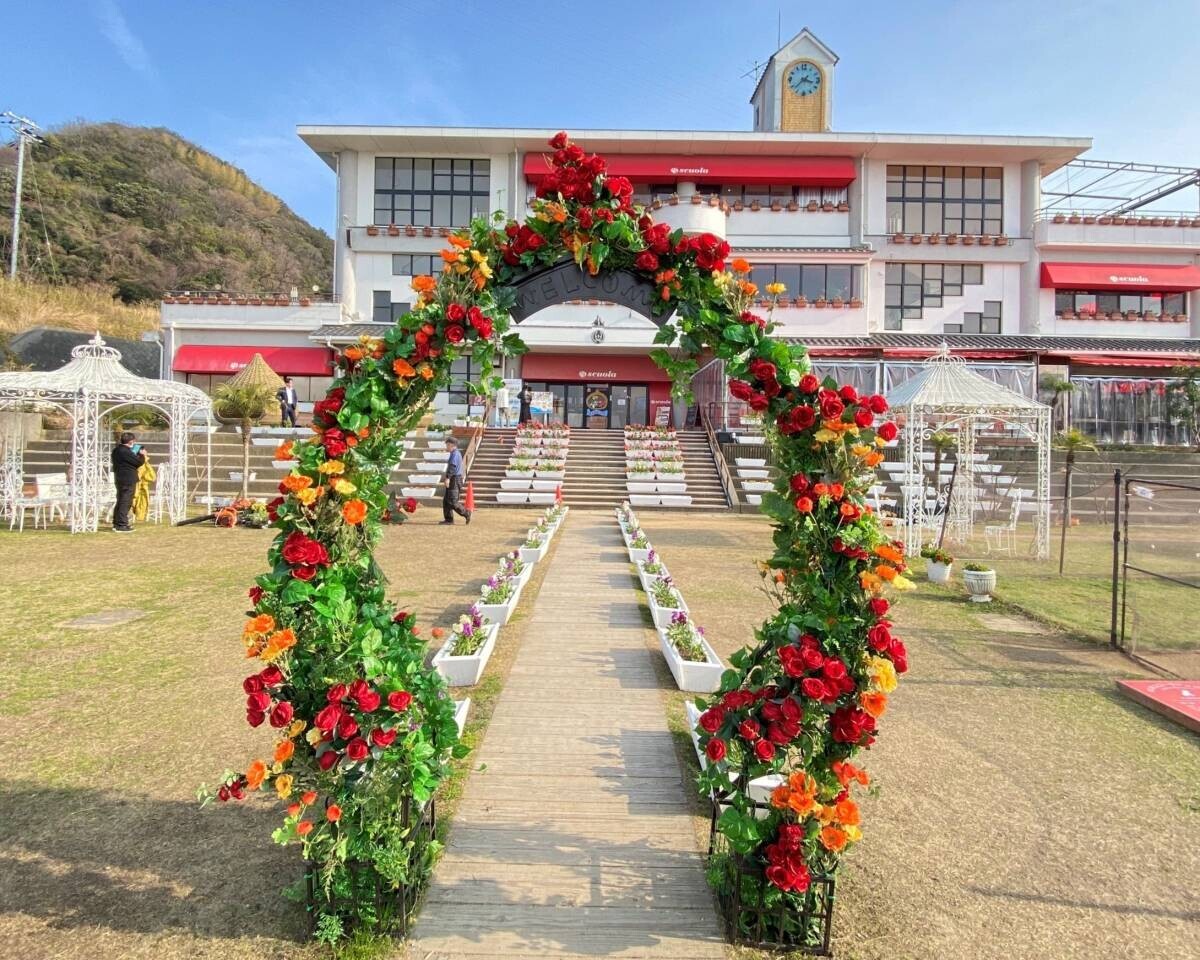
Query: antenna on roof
[779, 30]
[26, 132]
[753, 71]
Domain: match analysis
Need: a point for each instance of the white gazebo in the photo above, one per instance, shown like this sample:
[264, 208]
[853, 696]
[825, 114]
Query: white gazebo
[948, 396]
[90, 387]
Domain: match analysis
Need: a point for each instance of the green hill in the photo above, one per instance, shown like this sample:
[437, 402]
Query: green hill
[143, 211]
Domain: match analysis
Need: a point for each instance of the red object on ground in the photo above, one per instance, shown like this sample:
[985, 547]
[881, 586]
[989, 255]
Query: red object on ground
[213, 358]
[1158, 277]
[558, 494]
[470, 497]
[1179, 700]
[652, 167]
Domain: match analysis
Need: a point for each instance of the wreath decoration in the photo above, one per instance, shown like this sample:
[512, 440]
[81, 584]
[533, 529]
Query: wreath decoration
[363, 727]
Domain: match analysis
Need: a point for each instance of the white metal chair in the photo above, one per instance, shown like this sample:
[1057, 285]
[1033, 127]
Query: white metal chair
[19, 504]
[1003, 537]
[53, 491]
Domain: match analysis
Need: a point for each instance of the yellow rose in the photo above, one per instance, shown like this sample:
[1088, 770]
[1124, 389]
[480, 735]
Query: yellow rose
[283, 786]
[332, 466]
[313, 736]
[295, 728]
[824, 435]
[775, 289]
[344, 487]
[853, 834]
[308, 496]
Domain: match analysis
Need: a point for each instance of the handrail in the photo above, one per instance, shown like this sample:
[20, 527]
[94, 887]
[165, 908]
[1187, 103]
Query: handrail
[476, 439]
[718, 456]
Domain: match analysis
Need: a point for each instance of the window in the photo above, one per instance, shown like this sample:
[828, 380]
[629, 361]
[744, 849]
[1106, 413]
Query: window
[782, 193]
[464, 370]
[1089, 304]
[967, 200]
[910, 287]
[813, 281]
[985, 321]
[383, 310]
[415, 264]
[430, 193]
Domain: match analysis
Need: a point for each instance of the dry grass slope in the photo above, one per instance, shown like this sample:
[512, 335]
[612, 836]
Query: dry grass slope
[84, 307]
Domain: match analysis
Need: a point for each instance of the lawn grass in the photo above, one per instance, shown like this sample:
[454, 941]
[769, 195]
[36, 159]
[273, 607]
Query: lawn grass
[108, 733]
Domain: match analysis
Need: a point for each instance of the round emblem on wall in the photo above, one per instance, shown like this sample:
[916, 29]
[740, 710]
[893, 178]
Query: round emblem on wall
[597, 335]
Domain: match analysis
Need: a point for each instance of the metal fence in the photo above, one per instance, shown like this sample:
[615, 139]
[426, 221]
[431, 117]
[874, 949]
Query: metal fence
[1156, 573]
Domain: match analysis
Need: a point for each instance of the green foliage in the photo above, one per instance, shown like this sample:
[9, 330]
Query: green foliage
[1183, 400]
[977, 567]
[243, 403]
[145, 211]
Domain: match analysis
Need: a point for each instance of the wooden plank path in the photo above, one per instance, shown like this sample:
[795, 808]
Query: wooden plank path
[576, 840]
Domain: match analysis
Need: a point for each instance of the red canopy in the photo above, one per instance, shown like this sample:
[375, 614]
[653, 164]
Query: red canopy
[1158, 278]
[214, 358]
[590, 368]
[1134, 360]
[669, 167]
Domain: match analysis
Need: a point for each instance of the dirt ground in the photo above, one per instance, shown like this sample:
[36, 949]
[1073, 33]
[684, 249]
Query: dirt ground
[1025, 808]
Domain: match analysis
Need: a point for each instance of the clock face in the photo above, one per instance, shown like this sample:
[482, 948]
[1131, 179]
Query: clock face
[804, 79]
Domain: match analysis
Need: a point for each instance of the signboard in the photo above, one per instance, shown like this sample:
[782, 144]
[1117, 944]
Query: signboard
[1177, 699]
[543, 402]
[662, 415]
[564, 282]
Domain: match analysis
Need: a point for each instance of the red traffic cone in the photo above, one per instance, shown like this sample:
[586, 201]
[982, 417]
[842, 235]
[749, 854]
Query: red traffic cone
[558, 495]
[470, 504]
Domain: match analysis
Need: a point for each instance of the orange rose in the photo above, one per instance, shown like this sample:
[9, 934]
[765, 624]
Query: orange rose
[304, 828]
[402, 368]
[284, 451]
[873, 702]
[354, 511]
[351, 440]
[294, 482]
[740, 266]
[834, 839]
[255, 774]
[847, 812]
[460, 240]
[780, 796]
[426, 371]
[263, 623]
[309, 797]
[889, 553]
[424, 284]
[873, 459]
[284, 750]
[333, 813]
[802, 803]
[354, 354]
[293, 809]
[363, 432]
[885, 572]
[277, 643]
[437, 632]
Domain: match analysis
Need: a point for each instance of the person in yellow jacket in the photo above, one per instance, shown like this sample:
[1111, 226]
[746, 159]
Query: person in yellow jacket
[146, 476]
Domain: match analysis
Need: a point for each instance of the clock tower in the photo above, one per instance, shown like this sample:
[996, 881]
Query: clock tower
[795, 92]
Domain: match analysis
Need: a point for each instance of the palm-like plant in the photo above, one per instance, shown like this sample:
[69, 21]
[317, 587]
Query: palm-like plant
[246, 405]
[1072, 442]
[1059, 387]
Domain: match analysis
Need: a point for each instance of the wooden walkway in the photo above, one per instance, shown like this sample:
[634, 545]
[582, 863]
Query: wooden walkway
[576, 840]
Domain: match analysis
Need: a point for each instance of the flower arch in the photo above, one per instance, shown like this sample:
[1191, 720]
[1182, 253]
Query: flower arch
[364, 727]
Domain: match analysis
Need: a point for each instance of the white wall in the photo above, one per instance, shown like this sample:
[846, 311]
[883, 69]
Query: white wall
[1001, 281]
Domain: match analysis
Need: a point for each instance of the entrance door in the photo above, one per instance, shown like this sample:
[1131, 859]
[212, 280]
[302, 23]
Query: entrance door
[639, 402]
[619, 415]
[596, 402]
[575, 408]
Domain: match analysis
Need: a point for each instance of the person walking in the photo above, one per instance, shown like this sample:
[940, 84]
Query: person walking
[502, 411]
[526, 398]
[286, 396]
[127, 459]
[452, 498]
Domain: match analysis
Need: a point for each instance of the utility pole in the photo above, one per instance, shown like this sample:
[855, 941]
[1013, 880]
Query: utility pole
[26, 131]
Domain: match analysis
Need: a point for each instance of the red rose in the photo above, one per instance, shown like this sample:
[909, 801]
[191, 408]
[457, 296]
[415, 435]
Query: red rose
[791, 710]
[849, 394]
[382, 738]
[646, 260]
[334, 442]
[223, 794]
[887, 431]
[328, 759]
[850, 725]
[715, 749]
[559, 140]
[831, 408]
[399, 700]
[256, 594]
[357, 749]
[304, 573]
[740, 389]
[798, 483]
[834, 669]
[336, 693]
[803, 417]
[899, 655]
[259, 700]
[328, 718]
[347, 727]
[281, 716]
[879, 637]
[711, 720]
[410, 505]
[764, 370]
[272, 676]
[367, 702]
[455, 333]
[252, 684]
[813, 659]
[804, 504]
[879, 606]
[764, 750]
[484, 328]
[877, 404]
[456, 313]
[863, 417]
[758, 401]
[255, 717]
[792, 661]
[235, 790]
[749, 729]
[809, 383]
[771, 711]
[812, 688]
[301, 550]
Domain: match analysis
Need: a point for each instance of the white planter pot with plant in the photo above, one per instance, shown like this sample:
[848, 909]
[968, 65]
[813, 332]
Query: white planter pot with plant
[534, 548]
[980, 582]
[938, 563]
[639, 547]
[463, 656]
[650, 570]
[498, 599]
[665, 601]
[693, 663]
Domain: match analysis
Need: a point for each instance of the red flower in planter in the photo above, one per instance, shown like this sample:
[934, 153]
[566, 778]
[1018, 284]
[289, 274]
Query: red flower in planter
[715, 749]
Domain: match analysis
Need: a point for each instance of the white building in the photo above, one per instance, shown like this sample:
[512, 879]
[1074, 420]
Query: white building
[888, 244]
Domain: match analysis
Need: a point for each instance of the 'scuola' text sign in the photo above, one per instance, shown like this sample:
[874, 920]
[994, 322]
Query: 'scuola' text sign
[564, 282]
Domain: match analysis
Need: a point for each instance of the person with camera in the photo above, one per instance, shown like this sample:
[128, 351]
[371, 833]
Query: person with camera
[127, 459]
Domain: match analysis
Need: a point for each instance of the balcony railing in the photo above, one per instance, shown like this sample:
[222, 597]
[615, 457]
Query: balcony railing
[1123, 316]
[224, 298]
[1149, 218]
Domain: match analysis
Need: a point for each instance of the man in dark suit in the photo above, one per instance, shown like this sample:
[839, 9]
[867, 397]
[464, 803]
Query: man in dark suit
[127, 458]
[286, 396]
[452, 498]
[526, 398]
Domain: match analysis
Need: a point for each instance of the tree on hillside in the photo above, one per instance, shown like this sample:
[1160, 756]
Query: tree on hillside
[246, 405]
[1072, 442]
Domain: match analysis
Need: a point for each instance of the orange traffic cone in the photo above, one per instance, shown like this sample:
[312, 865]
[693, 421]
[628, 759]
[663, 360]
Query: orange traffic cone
[558, 495]
[470, 504]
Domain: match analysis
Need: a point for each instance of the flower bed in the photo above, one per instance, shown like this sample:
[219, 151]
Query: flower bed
[693, 663]
[665, 601]
[499, 598]
[465, 653]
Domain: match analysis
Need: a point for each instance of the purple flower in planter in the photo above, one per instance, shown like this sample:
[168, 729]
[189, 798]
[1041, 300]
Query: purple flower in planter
[651, 558]
[679, 619]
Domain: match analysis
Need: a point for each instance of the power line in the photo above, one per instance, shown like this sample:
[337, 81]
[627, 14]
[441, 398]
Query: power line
[26, 132]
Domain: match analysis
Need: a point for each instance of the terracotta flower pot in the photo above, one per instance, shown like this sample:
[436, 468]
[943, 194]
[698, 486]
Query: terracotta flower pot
[1156, 221]
[828, 206]
[985, 240]
[240, 301]
[212, 301]
[934, 238]
[1060, 218]
[855, 303]
[393, 230]
[1168, 221]
[755, 205]
[1118, 221]
[168, 299]
[1074, 218]
[696, 199]
[951, 239]
[282, 301]
[427, 231]
[1001, 241]
[255, 301]
[843, 207]
[821, 303]
[793, 206]
[738, 206]
[915, 239]
[1104, 221]
[838, 303]
[968, 240]
[372, 231]
[305, 302]
[802, 301]
[897, 238]
[673, 199]
[1181, 318]
[776, 206]
[410, 230]
[1089, 220]
[812, 206]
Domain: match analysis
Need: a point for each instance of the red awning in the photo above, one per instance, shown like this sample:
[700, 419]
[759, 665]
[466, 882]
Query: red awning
[589, 368]
[667, 167]
[213, 358]
[1157, 278]
[1134, 360]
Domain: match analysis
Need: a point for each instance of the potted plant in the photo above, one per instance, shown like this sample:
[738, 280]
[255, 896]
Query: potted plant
[498, 598]
[843, 206]
[802, 301]
[1074, 218]
[855, 303]
[650, 570]
[665, 601]
[534, 547]
[372, 231]
[915, 238]
[639, 546]
[828, 206]
[980, 581]
[951, 239]
[776, 206]
[738, 205]
[696, 199]
[820, 303]
[937, 563]
[410, 230]
[934, 239]
[245, 405]
[393, 230]
[1060, 218]
[968, 240]
[793, 206]
[673, 199]
[467, 650]
[694, 665]
[838, 303]
[519, 469]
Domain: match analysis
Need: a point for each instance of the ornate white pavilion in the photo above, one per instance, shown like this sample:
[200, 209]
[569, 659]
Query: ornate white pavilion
[89, 390]
[947, 396]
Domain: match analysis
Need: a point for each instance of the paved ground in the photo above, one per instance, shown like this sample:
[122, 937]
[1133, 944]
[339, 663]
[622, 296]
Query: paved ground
[575, 838]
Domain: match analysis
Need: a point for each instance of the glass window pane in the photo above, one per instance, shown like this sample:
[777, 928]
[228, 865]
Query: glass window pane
[381, 298]
[441, 211]
[991, 308]
[970, 323]
[479, 183]
[913, 273]
[953, 183]
[951, 289]
[894, 273]
[838, 281]
[891, 319]
[972, 273]
[402, 179]
[1107, 302]
[401, 265]
[972, 183]
[911, 297]
[789, 275]
[761, 274]
[1173, 303]
[895, 216]
[895, 172]
[422, 174]
[992, 227]
[910, 313]
[914, 173]
[931, 302]
[989, 325]
[993, 184]
[931, 288]
[383, 215]
[891, 295]
[460, 210]
[1130, 302]
[1063, 300]
[952, 328]
[913, 222]
[813, 281]
[383, 173]
[952, 273]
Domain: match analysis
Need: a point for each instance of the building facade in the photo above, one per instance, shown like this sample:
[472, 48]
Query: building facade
[887, 244]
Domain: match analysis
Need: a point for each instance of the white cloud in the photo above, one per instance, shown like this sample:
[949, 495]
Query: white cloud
[116, 30]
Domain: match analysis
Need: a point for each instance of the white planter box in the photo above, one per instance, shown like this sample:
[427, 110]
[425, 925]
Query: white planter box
[237, 475]
[980, 584]
[534, 554]
[747, 474]
[670, 486]
[519, 474]
[670, 477]
[938, 572]
[752, 439]
[507, 484]
[640, 477]
[644, 499]
[692, 677]
[754, 499]
[499, 613]
[542, 497]
[676, 500]
[264, 442]
[425, 479]
[461, 709]
[663, 615]
[750, 461]
[465, 671]
[641, 486]
[550, 474]
[510, 496]
[638, 555]
[419, 493]
[435, 455]
[543, 485]
[429, 466]
[283, 465]
[757, 486]
[434, 435]
[649, 578]
[409, 445]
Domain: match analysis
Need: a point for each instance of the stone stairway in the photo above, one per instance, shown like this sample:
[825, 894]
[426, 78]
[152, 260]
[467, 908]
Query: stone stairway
[595, 475]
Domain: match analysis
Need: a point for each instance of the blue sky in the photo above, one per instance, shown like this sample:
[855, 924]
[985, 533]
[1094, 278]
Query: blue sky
[237, 76]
